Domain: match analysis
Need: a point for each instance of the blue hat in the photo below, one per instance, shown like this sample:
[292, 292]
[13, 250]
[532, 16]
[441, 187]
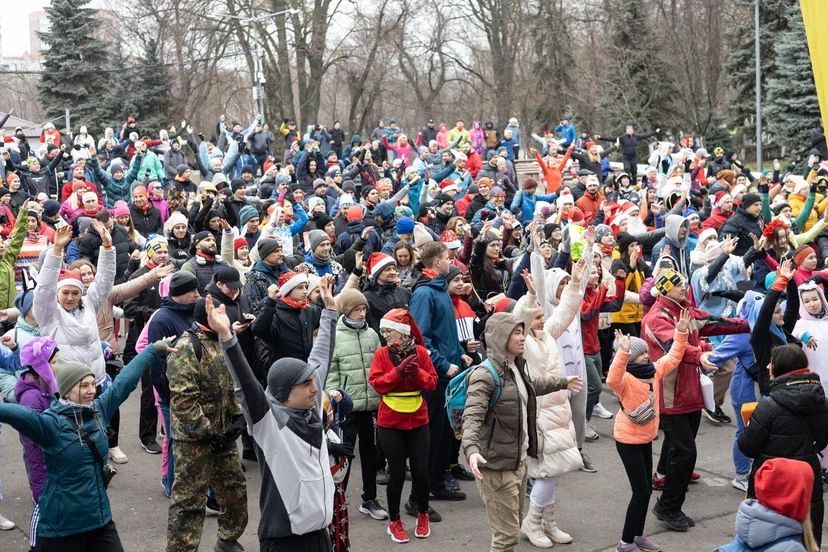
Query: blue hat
[689, 211]
[51, 207]
[23, 301]
[246, 213]
[405, 226]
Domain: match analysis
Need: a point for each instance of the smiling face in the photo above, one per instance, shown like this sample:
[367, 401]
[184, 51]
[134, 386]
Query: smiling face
[810, 262]
[179, 231]
[517, 341]
[812, 302]
[83, 392]
[69, 297]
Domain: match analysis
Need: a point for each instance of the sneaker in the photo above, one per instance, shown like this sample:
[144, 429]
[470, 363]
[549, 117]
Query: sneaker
[227, 546]
[374, 509]
[382, 477]
[716, 417]
[646, 545]
[117, 455]
[451, 482]
[6, 524]
[658, 482]
[397, 531]
[600, 412]
[676, 521]
[688, 519]
[423, 530]
[460, 472]
[213, 508]
[151, 447]
[695, 476]
[412, 510]
[627, 547]
[588, 467]
[590, 434]
[725, 419]
[740, 482]
[448, 494]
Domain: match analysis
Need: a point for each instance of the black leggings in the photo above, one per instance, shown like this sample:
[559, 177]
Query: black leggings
[638, 463]
[399, 445]
[361, 425]
[103, 539]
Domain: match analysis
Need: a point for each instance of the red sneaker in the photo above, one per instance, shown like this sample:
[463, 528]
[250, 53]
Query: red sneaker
[658, 482]
[397, 531]
[696, 476]
[423, 530]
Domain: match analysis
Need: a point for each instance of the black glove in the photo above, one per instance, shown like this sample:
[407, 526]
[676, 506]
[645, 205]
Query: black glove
[733, 295]
[764, 188]
[234, 430]
[217, 443]
[341, 449]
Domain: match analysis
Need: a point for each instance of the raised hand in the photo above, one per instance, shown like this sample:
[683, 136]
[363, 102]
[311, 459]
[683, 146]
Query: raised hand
[623, 341]
[578, 270]
[326, 292]
[106, 237]
[359, 260]
[589, 236]
[529, 280]
[218, 320]
[63, 236]
[786, 269]
[683, 323]
[161, 272]
[729, 244]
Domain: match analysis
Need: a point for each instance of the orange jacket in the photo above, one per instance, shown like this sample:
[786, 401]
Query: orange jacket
[633, 392]
[552, 175]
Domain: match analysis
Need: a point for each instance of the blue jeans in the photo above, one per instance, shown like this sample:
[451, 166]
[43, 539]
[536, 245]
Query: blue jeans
[740, 461]
[167, 458]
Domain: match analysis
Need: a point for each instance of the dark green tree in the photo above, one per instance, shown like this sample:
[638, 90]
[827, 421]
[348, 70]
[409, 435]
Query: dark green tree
[74, 64]
[118, 101]
[150, 89]
[553, 63]
[791, 109]
[638, 89]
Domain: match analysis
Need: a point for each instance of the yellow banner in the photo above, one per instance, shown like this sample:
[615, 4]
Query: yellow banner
[815, 16]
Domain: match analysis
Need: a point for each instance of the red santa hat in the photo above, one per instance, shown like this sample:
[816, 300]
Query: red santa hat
[448, 186]
[400, 320]
[378, 262]
[720, 198]
[290, 281]
[70, 278]
[450, 239]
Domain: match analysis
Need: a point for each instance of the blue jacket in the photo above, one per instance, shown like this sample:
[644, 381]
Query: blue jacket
[433, 312]
[74, 498]
[170, 319]
[760, 529]
[510, 148]
[523, 204]
[741, 385]
[568, 133]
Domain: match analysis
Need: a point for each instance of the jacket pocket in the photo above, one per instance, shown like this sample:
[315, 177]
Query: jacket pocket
[306, 506]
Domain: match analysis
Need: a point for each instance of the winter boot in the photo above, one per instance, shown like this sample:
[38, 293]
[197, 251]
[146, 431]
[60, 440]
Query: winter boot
[550, 527]
[531, 527]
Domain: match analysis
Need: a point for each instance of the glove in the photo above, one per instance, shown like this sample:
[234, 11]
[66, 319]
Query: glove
[217, 443]
[408, 366]
[341, 449]
[764, 188]
[234, 430]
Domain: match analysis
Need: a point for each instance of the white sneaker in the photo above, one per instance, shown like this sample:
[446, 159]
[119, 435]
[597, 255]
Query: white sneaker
[118, 456]
[600, 412]
[6, 524]
[741, 483]
[590, 434]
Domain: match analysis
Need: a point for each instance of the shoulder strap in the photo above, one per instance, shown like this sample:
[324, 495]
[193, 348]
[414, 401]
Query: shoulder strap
[198, 349]
[801, 422]
[89, 443]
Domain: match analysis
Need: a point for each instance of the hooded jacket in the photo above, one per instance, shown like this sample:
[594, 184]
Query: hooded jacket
[498, 434]
[809, 326]
[758, 528]
[433, 312]
[297, 487]
[741, 225]
[381, 299]
[74, 499]
[170, 319]
[792, 422]
[679, 249]
[351, 363]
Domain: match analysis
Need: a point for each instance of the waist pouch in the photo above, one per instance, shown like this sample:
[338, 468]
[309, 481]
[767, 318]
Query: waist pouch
[405, 402]
[642, 413]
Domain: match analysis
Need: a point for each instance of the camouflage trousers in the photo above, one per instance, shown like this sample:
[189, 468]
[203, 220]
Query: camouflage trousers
[196, 468]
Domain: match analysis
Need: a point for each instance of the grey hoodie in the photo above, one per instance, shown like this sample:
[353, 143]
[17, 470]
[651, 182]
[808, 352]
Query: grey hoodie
[679, 249]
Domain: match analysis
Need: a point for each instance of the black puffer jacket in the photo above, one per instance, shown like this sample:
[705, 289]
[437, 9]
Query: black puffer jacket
[381, 299]
[90, 245]
[741, 225]
[146, 222]
[791, 423]
[285, 331]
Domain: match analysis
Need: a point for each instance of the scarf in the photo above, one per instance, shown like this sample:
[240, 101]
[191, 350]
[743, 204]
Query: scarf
[354, 324]
[402, 350]
[294, 303]
[320, 261]
[203, 255]
[429, 273]
[641, 371]
[607, 250]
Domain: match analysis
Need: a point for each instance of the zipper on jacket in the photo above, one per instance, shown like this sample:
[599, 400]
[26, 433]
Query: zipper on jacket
[362, 363]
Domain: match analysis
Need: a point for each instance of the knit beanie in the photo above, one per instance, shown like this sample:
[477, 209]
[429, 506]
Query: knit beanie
[453, 272]
[348, 300]
[624, 241]
[120, 208]
[24, 301]
[246, 213]
[405, 226]
[290, 281]
[315, 201]
[284, 374]
[182, 282]
[240, 242]
[181, 169]
[355, 213]
[802, 252]
[268, 246]
[237, 184]
[321, 221]
[667, 281]
[749, 199]
[637, 347]
[316, 238]
[156, 244]
[600, 231]
[69, 373]
[421, 236]
[378, 262]
[785, 486]
[51, 208]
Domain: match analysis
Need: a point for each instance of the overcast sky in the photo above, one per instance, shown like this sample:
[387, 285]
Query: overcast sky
[14, 25]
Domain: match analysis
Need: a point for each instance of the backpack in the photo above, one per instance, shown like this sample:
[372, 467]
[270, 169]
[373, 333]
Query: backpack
[457, 390]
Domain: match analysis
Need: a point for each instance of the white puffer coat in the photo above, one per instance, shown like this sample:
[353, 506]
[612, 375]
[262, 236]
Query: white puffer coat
[557, 446]
[77, 331]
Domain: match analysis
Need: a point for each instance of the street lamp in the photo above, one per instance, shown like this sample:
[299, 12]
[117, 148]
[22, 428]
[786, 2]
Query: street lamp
[758, 88]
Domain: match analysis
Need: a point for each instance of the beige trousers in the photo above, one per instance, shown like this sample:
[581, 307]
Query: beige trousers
[503, 494]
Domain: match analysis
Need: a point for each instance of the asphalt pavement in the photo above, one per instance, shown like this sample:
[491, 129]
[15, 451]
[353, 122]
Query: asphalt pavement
[590, 507]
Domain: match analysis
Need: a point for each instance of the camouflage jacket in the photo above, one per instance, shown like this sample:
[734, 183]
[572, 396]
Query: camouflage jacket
[201, 392]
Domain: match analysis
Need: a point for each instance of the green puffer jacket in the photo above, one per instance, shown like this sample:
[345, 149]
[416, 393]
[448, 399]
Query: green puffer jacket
[351, 363]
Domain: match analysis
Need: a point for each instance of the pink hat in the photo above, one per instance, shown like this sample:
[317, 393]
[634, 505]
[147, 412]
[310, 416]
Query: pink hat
[120, 209]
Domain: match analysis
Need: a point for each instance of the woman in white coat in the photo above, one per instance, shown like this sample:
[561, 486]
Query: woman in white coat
[557, 447]
[64, 312]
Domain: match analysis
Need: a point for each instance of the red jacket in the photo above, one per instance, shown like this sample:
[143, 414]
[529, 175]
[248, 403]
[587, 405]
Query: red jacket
[474, 163]
[716, 220]
[680, 391]
[595, 302]
[385, 378]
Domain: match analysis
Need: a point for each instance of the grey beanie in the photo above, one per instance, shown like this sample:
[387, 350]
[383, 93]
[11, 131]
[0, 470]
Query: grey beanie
[316, 237]
[284, 374]
[637, 347]
[69, 373]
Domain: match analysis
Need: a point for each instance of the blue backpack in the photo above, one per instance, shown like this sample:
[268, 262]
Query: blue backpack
[457, 390]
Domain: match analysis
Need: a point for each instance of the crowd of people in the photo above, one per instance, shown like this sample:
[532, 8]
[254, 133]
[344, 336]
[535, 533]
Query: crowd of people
[401, 299]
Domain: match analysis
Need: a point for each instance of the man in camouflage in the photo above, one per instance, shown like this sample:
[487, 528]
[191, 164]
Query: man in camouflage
[206, 421]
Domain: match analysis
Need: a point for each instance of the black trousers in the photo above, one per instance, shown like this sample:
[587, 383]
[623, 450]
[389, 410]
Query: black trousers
[606, 338]
[631, 166]
[638, 463]
[629, 328]
[148, 415]
[438, 453]
[103, 539]
[678, 457]
[317, 541]
[361, 425]
[401, 445]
